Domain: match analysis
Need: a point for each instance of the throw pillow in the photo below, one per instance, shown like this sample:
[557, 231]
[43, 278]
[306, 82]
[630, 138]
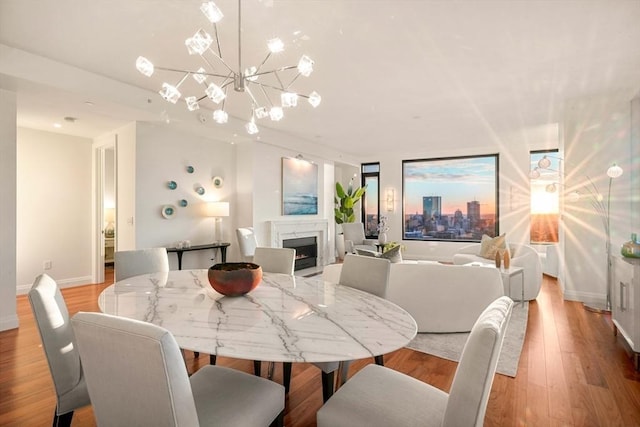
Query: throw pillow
[394, 255]
[489, 246]
[365, 252]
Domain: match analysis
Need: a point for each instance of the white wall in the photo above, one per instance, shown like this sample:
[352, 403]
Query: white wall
[8, 316]
[162, 155]
[53, 207]
[596, 134]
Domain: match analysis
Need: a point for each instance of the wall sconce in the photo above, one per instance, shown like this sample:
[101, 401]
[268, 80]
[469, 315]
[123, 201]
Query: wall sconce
[390, 198]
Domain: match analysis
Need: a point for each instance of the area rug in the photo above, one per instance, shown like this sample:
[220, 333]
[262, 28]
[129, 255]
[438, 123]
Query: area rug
[449, 346]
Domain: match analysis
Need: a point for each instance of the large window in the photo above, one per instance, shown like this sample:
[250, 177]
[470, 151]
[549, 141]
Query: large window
[370, 206]
[453, 198]
[545, 200]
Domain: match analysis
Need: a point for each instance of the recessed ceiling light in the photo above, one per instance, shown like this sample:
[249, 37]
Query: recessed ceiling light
[57, 125]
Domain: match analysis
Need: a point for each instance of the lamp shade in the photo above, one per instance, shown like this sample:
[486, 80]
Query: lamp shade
[218, 209]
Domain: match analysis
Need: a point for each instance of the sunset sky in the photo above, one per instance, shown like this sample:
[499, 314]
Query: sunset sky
[457, 181]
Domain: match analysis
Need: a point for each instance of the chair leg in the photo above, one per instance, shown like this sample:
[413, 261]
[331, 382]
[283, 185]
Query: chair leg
[286, 376]
[212, 359]
[270, 368]
[379, 360]
[327, 385]
[257, 367]
[279, 421]
[196, 354]
[63, 420]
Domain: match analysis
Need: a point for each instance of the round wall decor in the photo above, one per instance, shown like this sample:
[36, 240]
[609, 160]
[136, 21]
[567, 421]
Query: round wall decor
[217, 181]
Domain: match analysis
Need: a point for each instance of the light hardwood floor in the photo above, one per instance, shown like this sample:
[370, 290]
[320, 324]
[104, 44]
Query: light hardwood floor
[572, 372]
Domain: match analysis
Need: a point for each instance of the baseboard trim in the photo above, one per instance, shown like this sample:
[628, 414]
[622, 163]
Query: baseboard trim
[62, 283]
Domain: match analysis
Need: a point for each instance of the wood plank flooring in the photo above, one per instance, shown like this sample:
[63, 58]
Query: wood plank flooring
[572, 372]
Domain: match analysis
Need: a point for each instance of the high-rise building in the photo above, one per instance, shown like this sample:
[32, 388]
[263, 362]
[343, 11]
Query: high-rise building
[431, 207]
[473, 214]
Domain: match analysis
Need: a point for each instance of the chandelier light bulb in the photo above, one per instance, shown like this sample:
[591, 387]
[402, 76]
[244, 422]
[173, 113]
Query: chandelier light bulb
[144, 66]
[215, 93]
[261, 112]
[276, 114]
[251, 127]
[192, 103]
[289, 99]
[614, 171]
[170, 93]
[220, 116]
[249, 74]
[305, 65]
[544, 162]
[199, 43]
[211, 11]
[314, 99]
[275, 45]
[534, 174]
[200, 76]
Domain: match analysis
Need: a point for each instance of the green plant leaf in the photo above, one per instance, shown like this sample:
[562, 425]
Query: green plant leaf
[340, 191]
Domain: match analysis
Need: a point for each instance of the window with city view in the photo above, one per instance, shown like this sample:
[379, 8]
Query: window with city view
[370, 208]
[545, 204]
[452, 198]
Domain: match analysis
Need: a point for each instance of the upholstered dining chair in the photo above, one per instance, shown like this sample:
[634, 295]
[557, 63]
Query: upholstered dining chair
[136, 377]
[247, 242]
[378, 396]
[141, 261]
[354, 238]
[366, 274]
[275, 260]
[59, 344]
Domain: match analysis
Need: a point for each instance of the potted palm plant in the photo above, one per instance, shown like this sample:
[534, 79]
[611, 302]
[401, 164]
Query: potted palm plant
[344, 202]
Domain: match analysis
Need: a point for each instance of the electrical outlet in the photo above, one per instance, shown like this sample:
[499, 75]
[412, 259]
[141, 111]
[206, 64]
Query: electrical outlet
[46, 265]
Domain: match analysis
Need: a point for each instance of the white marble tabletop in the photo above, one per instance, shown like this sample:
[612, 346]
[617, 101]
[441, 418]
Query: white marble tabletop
[285, 319]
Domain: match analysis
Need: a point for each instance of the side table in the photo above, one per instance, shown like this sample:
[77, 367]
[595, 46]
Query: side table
[507, 276]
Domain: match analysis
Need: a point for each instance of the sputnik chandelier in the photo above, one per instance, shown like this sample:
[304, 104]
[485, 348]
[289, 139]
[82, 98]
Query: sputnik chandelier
[216, 83]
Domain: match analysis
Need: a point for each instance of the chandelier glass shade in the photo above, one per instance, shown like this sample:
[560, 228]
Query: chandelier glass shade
[268, 99]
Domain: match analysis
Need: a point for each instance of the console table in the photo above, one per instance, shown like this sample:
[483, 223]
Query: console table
[221, 245]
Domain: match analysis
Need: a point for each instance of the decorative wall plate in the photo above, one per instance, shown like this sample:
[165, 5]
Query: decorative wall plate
[168, 211]
[184, 203]
[190, 169]
[217, 181]
[172, 185]
[200, 190]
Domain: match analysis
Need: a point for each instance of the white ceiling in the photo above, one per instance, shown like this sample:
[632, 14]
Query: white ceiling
[394, 75]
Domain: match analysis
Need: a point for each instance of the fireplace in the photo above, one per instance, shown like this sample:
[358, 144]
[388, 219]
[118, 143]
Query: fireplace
[318, 228]
[306, 251]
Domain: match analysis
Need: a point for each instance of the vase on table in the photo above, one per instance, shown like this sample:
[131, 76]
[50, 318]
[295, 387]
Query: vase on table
[382, 238]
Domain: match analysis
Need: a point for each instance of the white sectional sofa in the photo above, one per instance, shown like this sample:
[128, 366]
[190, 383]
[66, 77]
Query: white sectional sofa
[522, 256]
[441, 298]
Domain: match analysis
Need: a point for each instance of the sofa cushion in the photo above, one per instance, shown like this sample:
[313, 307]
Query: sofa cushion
[489, 246]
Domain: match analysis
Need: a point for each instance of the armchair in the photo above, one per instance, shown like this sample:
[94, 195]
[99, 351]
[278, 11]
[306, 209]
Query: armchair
[354, 238]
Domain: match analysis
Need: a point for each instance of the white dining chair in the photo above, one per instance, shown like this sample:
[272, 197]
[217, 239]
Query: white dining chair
[379, 396]
[275, 260]
[247, 242]
[60, 349]
[366, 274]
[141, 261]
[136, 377]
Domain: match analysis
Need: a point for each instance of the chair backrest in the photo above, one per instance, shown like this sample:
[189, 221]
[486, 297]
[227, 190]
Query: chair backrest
[368, 274]
[275, 260]
[473, 379]
[247, 241]
[135, 372]
[331, 273]
[142, 261]
[354, 232]
[59, 343]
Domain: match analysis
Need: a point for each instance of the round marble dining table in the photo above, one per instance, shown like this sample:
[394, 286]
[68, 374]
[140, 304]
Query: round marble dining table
[285, 319]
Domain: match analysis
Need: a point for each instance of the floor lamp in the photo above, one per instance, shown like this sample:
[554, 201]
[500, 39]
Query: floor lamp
[218, 210]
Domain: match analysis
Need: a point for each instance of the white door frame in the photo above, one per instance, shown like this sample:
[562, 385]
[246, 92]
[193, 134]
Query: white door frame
[98, 256]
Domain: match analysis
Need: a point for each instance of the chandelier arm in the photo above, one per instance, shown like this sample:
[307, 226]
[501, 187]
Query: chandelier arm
[266, 95]
[262, 63]
[215, 32]
[276, 88]
[220, 59]
[183, 79]
[176, 70]
[293, 80]
[248, 90]
[275, 70]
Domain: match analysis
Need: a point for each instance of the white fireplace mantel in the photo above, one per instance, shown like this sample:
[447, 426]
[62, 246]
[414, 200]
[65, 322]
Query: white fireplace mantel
[292, 229]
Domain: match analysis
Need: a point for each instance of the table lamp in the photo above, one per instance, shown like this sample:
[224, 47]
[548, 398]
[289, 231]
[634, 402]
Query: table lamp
[217, 210]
